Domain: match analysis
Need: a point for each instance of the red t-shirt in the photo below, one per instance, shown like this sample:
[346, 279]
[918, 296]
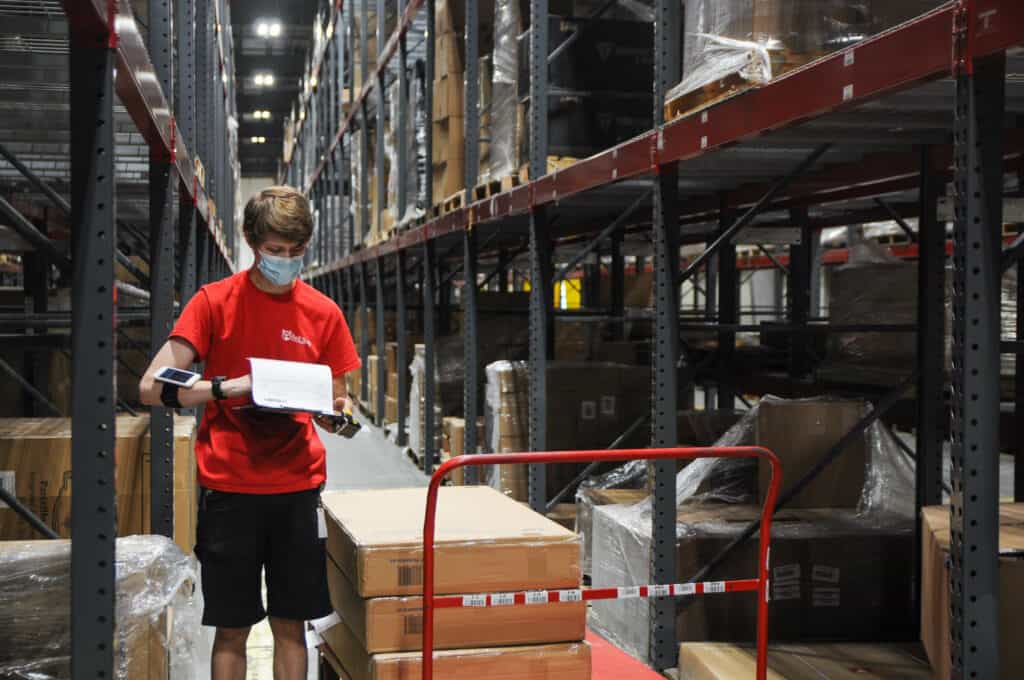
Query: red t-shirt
[230, 321]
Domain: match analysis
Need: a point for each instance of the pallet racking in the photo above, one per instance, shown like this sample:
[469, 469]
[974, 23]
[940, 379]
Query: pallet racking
[139, 108]
[899, 115]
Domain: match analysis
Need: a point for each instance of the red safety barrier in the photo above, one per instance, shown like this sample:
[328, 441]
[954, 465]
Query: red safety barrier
[541, 597]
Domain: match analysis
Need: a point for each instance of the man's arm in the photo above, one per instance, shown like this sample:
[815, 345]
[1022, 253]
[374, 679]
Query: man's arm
[177, 353]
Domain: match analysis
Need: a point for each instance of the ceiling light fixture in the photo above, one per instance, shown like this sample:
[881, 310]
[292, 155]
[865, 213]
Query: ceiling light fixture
[264, 79]
[262, 29]
[275, 29]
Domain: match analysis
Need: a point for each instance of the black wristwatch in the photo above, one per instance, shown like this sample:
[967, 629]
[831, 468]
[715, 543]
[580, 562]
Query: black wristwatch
[217, 389]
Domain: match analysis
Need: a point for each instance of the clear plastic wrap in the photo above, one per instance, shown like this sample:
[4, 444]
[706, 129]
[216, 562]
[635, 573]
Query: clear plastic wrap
[504, 128]
[730, 44]
[506, 416]
[402, 214]
[417, 422]
[158, 610]
[716, 498]
[358, 206]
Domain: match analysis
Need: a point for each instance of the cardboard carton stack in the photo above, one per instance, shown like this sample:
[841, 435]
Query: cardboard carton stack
[589, 405]
[710, 661]
[454, 432]
[838, 572]
[485, 543]
[35, 464]
[391, 394]
[935, 605]
[449, 123]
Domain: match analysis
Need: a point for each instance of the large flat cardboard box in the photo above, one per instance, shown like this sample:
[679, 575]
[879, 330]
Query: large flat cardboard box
[718, 661]
[567, 661]
[834, 576]
[35, 464]
[935, 630]
[395, 624]
[800, 433]
[485, 542]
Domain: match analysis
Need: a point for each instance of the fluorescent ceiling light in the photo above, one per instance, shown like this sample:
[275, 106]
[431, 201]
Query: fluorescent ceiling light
[262, 29]
[264, 79]
[275, 29]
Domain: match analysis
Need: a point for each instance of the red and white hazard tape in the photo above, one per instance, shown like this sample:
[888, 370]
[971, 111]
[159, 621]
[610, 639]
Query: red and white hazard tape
[534, 597]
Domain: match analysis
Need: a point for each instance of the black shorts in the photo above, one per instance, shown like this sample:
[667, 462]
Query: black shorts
[239, 535]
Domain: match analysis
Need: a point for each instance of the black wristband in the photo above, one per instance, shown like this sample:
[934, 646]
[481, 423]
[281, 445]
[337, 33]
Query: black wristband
[217, 389]
[169, 396]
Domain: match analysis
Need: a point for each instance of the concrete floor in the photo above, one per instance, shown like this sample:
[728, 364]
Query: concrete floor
[369, 460]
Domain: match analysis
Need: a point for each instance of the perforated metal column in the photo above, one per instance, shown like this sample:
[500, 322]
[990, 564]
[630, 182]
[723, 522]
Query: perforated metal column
[382, 375]
[429, 296]
[728, 313]
[471, 101]
[402, 356]
[163, 177]
[977, 247]
[664, 405]
[471, 381]
[93, 392]
[541, 348]
[364, 335]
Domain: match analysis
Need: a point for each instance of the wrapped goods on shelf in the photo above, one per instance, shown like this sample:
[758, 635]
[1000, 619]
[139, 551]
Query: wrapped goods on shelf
[589, 405]
[35, 465]
[734, 44]
[484, 542]
[359, 207]
[395, 623]
[935, 604]
[588, 498]
[416, 426]
[834, 570]
[710, 661]
[157, 610]
[504, 116]
[402, 214]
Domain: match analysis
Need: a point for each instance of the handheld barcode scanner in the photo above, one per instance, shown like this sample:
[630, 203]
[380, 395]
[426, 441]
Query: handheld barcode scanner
[344, 425]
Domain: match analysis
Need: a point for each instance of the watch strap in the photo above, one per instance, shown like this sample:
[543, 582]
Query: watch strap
[217, 387]
[169, 396]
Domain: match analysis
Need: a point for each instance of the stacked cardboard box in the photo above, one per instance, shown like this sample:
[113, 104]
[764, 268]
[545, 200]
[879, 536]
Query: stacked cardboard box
[935, 604]
[454, 444]
[35, 465]
[709, 661]
[589, 405]
[391, 390]
[835, 575]
[449, 123]
[485, 543]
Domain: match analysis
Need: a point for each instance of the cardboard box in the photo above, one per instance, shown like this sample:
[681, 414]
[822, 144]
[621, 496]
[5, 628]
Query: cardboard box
[449, 140]
[935, 603]
[834, 576]
[567, 661]
[35, 462]
[372, 362]
[587, 500]
[449, 97]
[717, 661]
[800, 433]
[392, 624]
[390, 410]
[564, 514]
[484, 542]
[449, 175]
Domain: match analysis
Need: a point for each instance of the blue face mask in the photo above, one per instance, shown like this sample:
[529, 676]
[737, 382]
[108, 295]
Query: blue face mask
[280, 271]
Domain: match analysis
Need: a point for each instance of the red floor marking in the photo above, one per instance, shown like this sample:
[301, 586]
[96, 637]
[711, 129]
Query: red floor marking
[611, 663]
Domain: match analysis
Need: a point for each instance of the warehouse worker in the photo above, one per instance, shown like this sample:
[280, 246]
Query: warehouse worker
[260, 473]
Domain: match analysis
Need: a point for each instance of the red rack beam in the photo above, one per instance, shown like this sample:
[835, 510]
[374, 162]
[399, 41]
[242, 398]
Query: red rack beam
[139, 90]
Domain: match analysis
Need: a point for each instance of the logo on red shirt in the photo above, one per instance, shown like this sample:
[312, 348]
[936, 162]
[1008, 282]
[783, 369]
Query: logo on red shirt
[289, 336]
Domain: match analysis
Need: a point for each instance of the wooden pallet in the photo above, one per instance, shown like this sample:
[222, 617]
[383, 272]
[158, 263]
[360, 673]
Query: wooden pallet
[453, 202]
[510, 182]
[695, 101]
[486, 190]
[554, 164]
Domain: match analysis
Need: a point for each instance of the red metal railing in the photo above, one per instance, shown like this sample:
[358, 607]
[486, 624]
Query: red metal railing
[431, 602]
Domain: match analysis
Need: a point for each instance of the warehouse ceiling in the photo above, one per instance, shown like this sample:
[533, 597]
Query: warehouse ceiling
[271, 37]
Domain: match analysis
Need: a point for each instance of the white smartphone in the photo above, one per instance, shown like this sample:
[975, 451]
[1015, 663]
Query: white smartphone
[177, 376]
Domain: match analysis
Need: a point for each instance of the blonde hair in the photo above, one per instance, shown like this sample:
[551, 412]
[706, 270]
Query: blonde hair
[279, 210]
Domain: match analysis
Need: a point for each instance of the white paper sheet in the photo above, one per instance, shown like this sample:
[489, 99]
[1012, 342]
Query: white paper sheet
[292, 386]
